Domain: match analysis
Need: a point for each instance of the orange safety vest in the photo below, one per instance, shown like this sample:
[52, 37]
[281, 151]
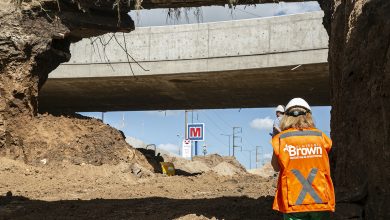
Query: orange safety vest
[304, 183]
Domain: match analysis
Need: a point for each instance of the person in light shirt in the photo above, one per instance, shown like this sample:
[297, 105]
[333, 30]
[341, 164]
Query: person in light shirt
[279, 115]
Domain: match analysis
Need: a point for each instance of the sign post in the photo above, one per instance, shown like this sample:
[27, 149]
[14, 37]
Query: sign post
[196, 133]
[186, 149]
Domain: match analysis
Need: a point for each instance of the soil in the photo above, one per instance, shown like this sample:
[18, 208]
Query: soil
[264, 171]
[70, 138]
[35, 38]
[114, 192]
[359, 60]
[211, 163]
[71, 166]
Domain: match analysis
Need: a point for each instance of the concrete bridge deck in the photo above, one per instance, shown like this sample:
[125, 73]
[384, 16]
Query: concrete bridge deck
[243, 63]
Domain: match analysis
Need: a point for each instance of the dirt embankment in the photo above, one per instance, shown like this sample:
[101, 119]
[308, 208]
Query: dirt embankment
[72, 166]
[34, 39]
[359, 59]
[265, 171]
[74, 139]
[225, 166]
[112, 191]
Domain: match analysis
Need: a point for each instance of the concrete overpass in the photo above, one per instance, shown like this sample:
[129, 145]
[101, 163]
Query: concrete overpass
[243, 63]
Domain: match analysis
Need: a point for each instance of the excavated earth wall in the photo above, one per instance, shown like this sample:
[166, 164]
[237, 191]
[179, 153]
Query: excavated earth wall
[30, 47]
[35, 37]
[359, 60]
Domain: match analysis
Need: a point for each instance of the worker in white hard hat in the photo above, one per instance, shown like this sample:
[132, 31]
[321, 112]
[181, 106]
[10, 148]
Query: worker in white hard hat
[300, 154]
[279, 111]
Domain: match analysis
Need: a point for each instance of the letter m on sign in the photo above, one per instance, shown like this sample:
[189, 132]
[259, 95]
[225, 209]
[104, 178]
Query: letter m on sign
[195, 132]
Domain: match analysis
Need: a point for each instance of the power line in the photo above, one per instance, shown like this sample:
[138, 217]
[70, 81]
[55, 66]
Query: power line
[248, 144]
[223, 120]
[215, 136]
[228, 124]
[228, 135]
[249, 13]
[212, 121]
[250, 157]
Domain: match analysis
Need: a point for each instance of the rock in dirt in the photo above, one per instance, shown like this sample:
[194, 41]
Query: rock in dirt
[140, 171]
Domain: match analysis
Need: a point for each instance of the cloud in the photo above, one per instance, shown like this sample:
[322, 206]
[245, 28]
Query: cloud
[295, 8]
[267, 156]
[262, 123]
[276, 9]
[173, 148]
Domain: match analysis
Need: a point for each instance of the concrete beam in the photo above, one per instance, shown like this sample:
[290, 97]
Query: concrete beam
[206, 47]
[266, 87]
[245, 63]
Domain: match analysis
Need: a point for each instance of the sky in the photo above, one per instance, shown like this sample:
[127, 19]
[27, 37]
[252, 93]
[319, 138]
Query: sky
[166, 128]
[159, 17]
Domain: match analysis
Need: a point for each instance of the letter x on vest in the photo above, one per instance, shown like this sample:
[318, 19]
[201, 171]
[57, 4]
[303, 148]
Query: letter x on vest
[306, 186]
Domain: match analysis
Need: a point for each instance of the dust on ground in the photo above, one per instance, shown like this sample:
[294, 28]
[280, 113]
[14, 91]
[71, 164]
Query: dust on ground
[80, 168]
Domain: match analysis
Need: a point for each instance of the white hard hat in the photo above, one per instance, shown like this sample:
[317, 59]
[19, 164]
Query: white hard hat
[298, 102]
[280, 108]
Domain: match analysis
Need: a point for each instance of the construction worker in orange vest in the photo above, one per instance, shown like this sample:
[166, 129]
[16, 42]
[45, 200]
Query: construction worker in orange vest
[305, 189]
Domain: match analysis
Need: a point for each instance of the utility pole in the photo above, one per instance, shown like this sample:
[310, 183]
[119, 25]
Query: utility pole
[103, 117]
[250, 157]
[236, 130]
[122, 123]
[259, 153]
[180, 143]
[185, 124]
[195, 142]
[228, 135]
[186, 131]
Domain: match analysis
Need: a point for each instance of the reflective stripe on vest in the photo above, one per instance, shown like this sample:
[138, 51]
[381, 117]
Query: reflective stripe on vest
[306, 186]
[300, 133]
